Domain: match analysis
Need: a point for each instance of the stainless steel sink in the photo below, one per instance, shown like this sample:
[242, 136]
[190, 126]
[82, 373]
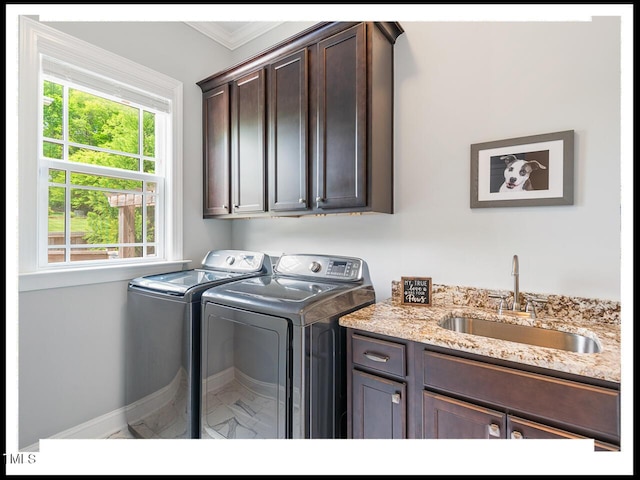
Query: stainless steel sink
[541, 337]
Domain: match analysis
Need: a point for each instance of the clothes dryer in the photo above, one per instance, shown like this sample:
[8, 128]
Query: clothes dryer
[273, 353]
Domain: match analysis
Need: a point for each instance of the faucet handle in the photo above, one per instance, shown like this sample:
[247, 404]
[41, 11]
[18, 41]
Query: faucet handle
[532, 303]
[500, 296]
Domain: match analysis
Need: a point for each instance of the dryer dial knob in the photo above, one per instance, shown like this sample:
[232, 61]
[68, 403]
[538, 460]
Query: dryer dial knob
[315, 267]
[231, 260]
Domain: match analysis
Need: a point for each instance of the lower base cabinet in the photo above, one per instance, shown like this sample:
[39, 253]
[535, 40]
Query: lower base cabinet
[448, 418]
[401, 389]
[379, 407]
[377, 386]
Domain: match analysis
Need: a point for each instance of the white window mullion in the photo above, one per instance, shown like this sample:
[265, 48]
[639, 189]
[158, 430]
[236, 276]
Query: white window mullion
[143, 204]
[42, 218]
[65, 122]
[65, 158]
[42, 189]
[164, 237]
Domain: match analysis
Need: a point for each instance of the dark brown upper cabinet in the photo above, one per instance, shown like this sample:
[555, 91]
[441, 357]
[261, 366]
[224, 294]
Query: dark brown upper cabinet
[342, 119]
[288, 133]
[248, 123]
[309, 126]
[217, 152]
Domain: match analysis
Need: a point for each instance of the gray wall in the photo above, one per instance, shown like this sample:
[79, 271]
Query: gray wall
[71, 357]
[462, 83]
[456, 84]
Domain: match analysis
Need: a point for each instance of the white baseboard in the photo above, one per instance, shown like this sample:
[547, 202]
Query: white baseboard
[105, 425]
[266, 389]
[218, 380]
[140, 408]
[97, 428]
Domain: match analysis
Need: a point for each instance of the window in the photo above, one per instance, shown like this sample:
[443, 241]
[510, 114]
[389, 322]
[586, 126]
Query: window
[103, 164]
[99, 155]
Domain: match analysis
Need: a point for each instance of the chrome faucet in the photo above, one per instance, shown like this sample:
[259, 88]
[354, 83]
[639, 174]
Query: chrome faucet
[515, 271]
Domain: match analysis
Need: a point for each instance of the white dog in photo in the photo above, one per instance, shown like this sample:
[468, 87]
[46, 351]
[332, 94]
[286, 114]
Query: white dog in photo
[517, 172]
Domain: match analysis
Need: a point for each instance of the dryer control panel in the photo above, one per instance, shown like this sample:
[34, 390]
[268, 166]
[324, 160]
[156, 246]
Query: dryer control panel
[334, 268]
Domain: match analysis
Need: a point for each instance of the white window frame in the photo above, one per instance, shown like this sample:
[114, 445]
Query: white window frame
[37, 40]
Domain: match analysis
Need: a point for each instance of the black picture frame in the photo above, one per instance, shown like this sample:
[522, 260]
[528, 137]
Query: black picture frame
[541, 167]
[416, 291]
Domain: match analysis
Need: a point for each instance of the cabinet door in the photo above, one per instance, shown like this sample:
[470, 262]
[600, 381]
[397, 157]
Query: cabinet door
[217, 157]
[288, 133]
[379, 407]
[341, 175]
[248, 134]
[445, 417]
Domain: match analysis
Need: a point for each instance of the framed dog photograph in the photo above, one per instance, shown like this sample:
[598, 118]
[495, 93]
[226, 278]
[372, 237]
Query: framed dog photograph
[525, 171]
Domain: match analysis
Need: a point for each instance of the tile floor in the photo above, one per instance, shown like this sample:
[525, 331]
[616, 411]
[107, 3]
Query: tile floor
[125, 433]
[233, 411]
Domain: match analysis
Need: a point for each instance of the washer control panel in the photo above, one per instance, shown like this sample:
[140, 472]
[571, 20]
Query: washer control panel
[234, 260]
[320, 266]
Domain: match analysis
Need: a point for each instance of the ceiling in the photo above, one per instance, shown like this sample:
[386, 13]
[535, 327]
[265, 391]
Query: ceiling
[233, 34]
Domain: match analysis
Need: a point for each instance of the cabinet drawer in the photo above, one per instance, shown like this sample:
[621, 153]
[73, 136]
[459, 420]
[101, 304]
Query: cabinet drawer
[379, 355]
[520, 428]
[572, 403]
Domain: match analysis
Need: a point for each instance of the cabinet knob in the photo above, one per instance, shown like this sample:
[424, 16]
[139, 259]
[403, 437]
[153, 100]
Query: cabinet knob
[319, 201]
[517, 435]
[235, 206]
[395, 398]
[224, 207]
[494, 430]
[301, 200]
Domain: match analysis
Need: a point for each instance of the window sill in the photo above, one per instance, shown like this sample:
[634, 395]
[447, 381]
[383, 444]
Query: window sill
[85, 276]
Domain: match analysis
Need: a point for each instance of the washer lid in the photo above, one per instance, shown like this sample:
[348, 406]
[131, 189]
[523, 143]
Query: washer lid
[218, 266]
[178, 283]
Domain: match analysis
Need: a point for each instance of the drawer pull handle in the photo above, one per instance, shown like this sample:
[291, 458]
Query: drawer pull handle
[395, 398]
[517, 435]
[494, 430]
[376, 357]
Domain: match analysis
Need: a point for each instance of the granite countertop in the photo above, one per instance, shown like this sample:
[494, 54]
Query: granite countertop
[420, 324]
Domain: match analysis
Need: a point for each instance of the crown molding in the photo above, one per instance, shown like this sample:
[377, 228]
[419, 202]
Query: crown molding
[233, 34]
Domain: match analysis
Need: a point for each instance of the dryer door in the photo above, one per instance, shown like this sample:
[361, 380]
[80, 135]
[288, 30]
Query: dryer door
[245, 364]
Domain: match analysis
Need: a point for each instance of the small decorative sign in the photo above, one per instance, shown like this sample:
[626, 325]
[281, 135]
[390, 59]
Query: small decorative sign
[416, 290]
